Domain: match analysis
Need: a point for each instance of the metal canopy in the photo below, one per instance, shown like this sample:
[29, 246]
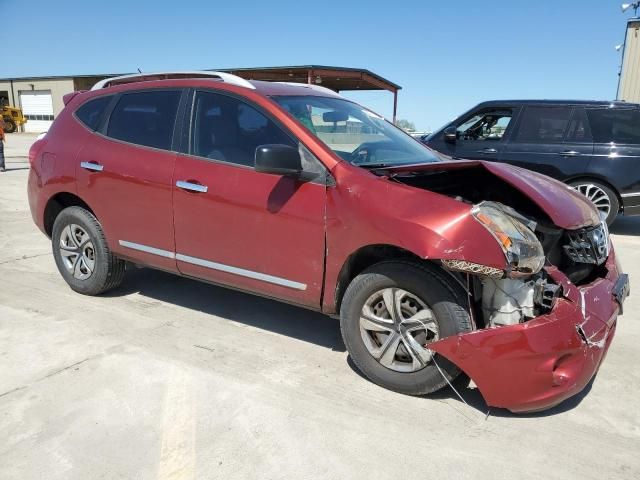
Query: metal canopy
[336, 78]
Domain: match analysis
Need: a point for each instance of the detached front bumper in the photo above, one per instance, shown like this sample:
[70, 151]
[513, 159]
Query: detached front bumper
[537, 364]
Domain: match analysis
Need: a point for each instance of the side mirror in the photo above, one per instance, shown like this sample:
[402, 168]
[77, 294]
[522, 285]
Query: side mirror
[450, 134]
[278, 160]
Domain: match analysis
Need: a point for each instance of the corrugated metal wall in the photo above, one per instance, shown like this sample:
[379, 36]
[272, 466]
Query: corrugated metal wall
[629, 89]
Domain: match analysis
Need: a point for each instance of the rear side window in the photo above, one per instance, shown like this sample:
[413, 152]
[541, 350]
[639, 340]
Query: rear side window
[615, 125]
[91, 112]
[145, 118]
[543, 125]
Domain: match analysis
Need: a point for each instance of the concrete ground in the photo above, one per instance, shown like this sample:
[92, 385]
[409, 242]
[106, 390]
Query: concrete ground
[174, 379]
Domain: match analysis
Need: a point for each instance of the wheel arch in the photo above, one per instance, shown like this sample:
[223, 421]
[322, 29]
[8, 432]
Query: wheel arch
[369, 255]
[56, 204]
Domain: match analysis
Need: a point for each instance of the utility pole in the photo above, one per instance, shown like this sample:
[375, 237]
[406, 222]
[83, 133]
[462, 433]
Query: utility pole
[634, 5]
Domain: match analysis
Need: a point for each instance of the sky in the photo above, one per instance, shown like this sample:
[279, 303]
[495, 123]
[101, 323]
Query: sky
[447, 55]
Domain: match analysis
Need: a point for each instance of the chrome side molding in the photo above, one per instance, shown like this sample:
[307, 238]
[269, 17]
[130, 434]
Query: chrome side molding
[147, 249]
[241, 272]
[264, 277]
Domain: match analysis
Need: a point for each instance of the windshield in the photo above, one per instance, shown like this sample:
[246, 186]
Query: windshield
[355, 133]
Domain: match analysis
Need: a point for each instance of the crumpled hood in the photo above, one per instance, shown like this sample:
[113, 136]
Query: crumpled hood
[565, 207]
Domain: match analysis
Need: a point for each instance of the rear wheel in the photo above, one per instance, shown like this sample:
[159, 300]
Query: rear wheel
[389, 315]
[9, 125]
[82, 254]
[602, 196]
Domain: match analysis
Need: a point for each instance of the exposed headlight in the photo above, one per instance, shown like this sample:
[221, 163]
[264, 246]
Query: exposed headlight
[515, 235]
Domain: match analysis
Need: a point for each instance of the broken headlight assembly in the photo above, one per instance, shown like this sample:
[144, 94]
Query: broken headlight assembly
[514, 234]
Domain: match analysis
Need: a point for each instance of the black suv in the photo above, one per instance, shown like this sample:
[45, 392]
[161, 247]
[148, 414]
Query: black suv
[592, 146]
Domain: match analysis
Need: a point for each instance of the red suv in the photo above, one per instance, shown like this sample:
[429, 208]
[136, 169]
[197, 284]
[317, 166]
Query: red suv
[435, 267]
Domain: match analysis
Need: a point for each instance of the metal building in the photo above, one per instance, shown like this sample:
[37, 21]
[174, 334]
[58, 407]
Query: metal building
[41, 97]
[629, 82]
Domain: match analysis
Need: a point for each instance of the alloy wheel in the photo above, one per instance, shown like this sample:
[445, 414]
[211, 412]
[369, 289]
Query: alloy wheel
[597, 196]
[77, 252]
[395, 326]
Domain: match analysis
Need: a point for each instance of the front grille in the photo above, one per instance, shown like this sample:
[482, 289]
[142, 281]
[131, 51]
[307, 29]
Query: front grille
[588, 245]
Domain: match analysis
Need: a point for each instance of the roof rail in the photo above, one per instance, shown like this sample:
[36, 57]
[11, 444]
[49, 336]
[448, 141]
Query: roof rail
[145, 77]
[312, 86]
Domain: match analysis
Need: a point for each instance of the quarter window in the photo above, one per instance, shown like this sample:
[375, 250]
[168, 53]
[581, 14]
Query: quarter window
[230, 130]
[543, 125]
[145, 118]
[91, 112]
[487, 125]
[615, 125]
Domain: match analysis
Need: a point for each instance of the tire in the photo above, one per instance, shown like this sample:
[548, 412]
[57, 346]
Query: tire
[82, 254]
[9, 125]
[602, 196]
[438, 292]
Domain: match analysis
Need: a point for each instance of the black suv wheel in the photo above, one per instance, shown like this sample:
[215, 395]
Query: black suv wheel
[601, 195]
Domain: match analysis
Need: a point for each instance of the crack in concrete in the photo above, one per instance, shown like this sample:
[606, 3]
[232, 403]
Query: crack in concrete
[13, 390]
[68, 367]
[25, 257]
[205, 348]
[108, 351]
[49, 375]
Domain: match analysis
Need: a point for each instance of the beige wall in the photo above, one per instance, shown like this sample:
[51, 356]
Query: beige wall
[629, 88]
[58, 88]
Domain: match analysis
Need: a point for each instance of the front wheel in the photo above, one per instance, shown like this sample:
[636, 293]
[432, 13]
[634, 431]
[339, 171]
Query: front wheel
[604, 199]
[389, 315]
[82, 254]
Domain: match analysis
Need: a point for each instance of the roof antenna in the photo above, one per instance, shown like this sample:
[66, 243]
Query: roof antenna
[139, 71]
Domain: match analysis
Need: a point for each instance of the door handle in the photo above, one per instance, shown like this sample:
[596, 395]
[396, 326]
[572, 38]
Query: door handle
[93, 166]
[488, 150]
[192, 187]
[570, 153]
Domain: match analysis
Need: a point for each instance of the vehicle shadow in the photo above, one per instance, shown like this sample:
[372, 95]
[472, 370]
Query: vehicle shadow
[292, 321]
[625, 226]
[245, 308]
[473, 398]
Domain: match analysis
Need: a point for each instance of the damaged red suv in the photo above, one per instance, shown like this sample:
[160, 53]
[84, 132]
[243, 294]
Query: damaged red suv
[435, 267]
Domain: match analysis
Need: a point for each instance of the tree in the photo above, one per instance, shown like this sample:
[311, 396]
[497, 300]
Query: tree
[405, 125]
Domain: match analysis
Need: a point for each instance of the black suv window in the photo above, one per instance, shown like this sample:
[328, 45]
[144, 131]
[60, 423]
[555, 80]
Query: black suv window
[145, 118]
[227, 129]
[543, 125]
[579, 130]
[486, 125]
[91, 112]
[619, 125]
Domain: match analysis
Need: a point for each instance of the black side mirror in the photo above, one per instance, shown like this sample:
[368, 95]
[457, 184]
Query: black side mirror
[450, 134]
[278, 160]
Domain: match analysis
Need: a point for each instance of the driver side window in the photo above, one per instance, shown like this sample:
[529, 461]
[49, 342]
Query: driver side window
[488, 125]
[229, 130]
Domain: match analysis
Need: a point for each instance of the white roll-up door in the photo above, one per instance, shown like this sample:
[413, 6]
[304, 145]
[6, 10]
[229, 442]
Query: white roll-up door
[37, 107]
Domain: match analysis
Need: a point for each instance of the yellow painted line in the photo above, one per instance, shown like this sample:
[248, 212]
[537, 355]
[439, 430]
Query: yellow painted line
[177, 453]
